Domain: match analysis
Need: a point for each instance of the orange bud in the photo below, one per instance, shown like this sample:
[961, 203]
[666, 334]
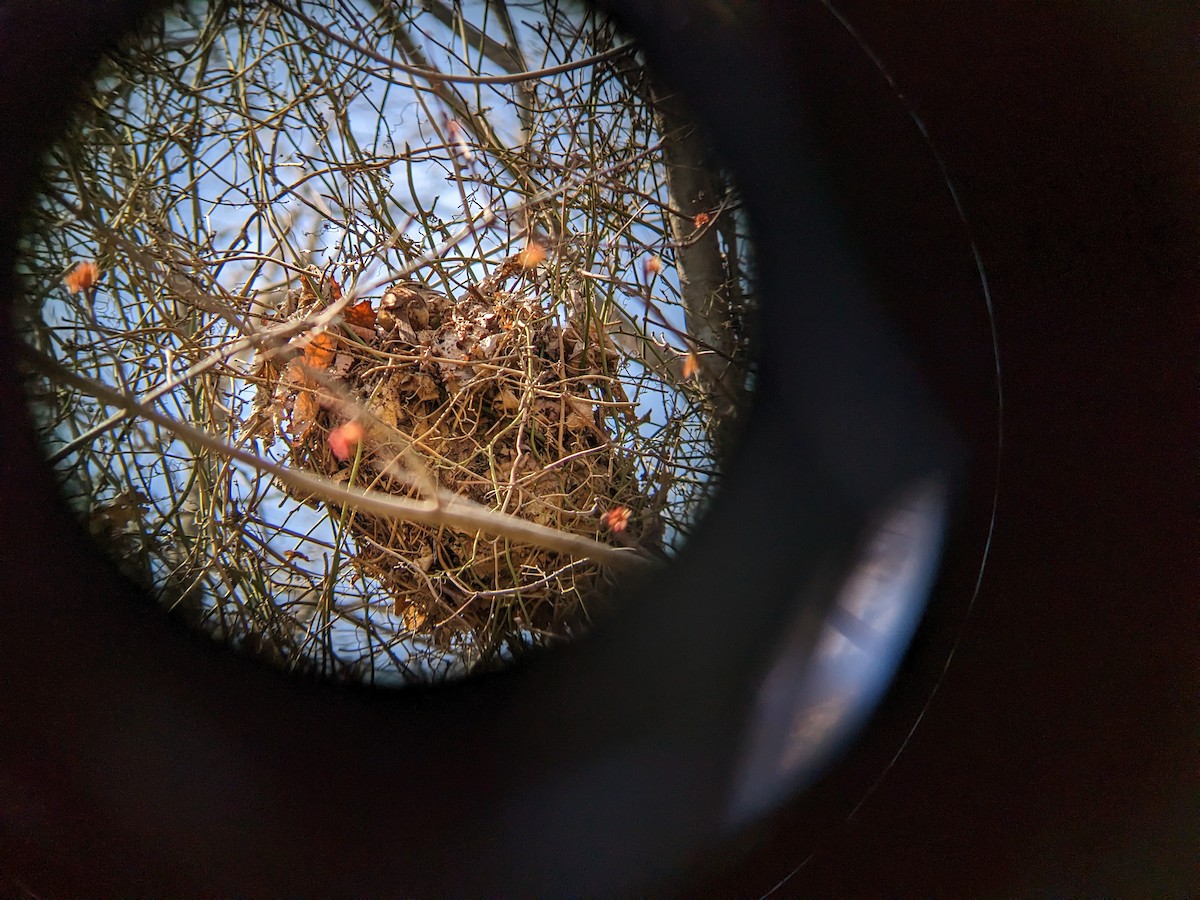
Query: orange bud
[533, 254]
[82, 277]
[701, 219]
[617, 518]
[459, 136]
[651, 266]
[344, 440]
[691, 365]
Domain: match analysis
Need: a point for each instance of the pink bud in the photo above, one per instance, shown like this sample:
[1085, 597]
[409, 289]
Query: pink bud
[344, 440]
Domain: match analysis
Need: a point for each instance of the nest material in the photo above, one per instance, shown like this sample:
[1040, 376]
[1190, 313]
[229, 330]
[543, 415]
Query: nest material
[495, 398]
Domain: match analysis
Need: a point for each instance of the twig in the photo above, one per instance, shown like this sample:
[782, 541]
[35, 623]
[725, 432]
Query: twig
[434, 76]
[448, 509]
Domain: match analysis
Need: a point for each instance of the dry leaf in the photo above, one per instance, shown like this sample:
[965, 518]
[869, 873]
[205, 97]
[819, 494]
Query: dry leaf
[317, 357]
[701, 219]
[488, 345]
[580, 414]
[360, 319]
[691, 365]
[319, 352]
[304, 413]
[417, 384]
[651, 266]
[427, 388]
[115, 516]
[413, 617]
[387, 406]
[509, 402]
[361, 314]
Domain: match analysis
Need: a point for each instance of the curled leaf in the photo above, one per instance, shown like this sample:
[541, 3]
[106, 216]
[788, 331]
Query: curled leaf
[318, 356]
[579, 414]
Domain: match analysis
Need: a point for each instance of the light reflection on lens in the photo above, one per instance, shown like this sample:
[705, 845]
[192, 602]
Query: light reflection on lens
[814, 698]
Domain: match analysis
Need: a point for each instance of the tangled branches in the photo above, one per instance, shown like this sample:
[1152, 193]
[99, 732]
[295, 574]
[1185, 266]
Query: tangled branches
[386, 363]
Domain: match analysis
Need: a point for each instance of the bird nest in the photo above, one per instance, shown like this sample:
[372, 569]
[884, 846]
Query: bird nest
[493, 397]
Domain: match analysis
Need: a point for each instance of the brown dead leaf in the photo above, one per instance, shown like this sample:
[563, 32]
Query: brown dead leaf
[319, 352]
[579, 414]
[507, 400]
[413, 617]
[487, 346]
[425, 561]
[118, 514]
[417, 384]
[427, 388]
[304, 413]
[387, 407]
[301, 373]
[361, 314]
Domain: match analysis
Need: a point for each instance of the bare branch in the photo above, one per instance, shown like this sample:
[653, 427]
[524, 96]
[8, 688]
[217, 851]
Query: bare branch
[446, 508]
[434, 76]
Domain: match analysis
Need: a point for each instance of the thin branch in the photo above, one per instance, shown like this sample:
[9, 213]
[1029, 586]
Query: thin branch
[434, 76]
[446, 508]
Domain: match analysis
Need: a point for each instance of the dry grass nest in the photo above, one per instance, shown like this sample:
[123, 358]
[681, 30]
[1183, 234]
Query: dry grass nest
[494, 397]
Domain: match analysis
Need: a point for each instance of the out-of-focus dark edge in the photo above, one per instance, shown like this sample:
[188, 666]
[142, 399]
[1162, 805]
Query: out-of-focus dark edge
[589, 771]
[1057, 755]
[1060, 753]
[46, 50]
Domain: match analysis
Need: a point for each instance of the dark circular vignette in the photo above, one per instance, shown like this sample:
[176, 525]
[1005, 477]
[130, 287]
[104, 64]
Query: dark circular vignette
[675, 444]
[1060, 748]
[149, 732]
[76, 818]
